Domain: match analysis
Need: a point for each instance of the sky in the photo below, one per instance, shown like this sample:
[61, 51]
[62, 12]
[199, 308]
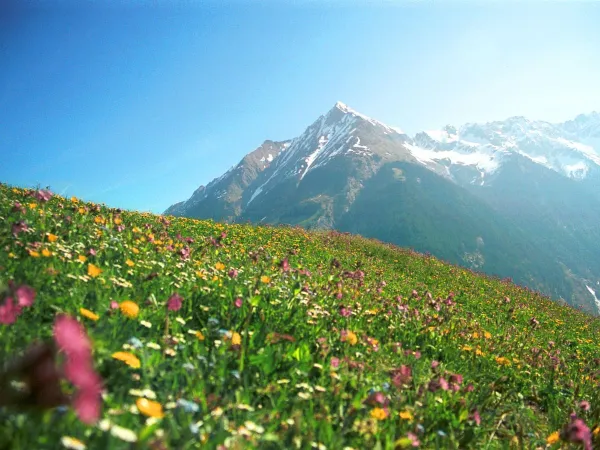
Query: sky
[135, 106]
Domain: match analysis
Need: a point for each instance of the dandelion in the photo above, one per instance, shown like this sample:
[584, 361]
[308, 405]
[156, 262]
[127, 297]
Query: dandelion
[94, 271]
[129, 309]
[553, 438]
[378, 414]
[406, 415]
[149, 408]
[128, 358]
[88, 314]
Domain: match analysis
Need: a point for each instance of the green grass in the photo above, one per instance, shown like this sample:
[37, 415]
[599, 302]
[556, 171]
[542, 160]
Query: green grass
[279, 388]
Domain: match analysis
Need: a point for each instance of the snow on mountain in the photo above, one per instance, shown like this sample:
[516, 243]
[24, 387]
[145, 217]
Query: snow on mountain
[332, 135]
[571, 149]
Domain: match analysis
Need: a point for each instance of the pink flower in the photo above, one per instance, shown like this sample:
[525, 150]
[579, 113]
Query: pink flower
[584, 405]
[476, 417]
[578, 432]
[345, 312]
[335, 362]
[71, 337]
[92, 252]
[238, 302]
[43, 195]
[9, 311]
[19, 227]
[174, 302]
[401, 376]
[25, 295]
[233, 273]
[285, 265]
[434, 364]
[114, 305]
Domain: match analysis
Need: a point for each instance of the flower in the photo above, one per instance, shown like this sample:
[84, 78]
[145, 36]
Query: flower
[335, 362]
[553, 438]
[123, 433]
[378, 413]
[406, 415]
[238, 302]
[233, 273]
[82, 258]
[350, 337]
[236, 339]
[199, 335]
[265, 279]
[129, 309]
[128, 358]
[149, 408]
[502, 361]
[94, 271]
[72, 443]
[578, 432]
[174, 302]
[219, 266]
[89, 314]
[72, 339]
[46, 253]
[51, 237]
[9, 311]
[130, 263]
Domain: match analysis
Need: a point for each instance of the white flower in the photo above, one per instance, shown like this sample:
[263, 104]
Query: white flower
[123, 433]
[72, 443]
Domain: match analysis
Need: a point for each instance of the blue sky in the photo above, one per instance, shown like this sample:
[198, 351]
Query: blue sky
[136, 106]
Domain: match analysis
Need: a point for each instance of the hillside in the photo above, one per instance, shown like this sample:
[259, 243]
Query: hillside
[520, 197]
[209, 335]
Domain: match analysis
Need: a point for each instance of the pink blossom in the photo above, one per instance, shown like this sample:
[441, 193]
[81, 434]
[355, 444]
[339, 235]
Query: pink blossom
[578, 432]
[238, 302]
[476, 417]
[114, 305]
[71, 337]
[19, 227]
[9, 311]
[285, 265]
[335, 362]
[25, 295]
[345, 312]
[174, 302]
[233, 273]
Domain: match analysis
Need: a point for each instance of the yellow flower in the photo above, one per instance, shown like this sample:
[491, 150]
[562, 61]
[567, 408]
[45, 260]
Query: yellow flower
[219, 266]
[52, 237]
[596, 431]
[265, 279]
[33, 253]
[130, 263]
[475, 335]
[487, 335]
[351, 338]
[135, 250]
[81, 210]
[553, 438]
[199, 335]
[74, 200]
[118, 221]
[128, 358]
[82, 258]
[129, 308]
[378, 413]
[99, 219]
[89, 314]
[501, 360]
[46, 253]
[149, 408]
[236, 339]
[94, 271]
[406, 415]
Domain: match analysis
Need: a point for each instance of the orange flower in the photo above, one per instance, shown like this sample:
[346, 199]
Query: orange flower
[52, 237]
[130, 263]
[501, 360]
[219, 266]
[34, 253]
[553, 438]
[128, 358]
[236, 339]
[130, 309]
[82, 258]
[46, 253]
[265, 279]
[89, 314]
[149, 408]
[94, 271]
[351, 338]
[378, 413]
[199, 335]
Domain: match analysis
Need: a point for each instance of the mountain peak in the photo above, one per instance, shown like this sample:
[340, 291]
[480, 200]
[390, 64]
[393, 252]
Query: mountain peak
[345, 109]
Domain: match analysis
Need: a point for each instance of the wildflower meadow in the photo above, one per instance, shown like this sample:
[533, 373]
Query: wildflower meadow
[125, 330]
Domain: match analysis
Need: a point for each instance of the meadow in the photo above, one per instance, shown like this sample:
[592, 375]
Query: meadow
[125, 330]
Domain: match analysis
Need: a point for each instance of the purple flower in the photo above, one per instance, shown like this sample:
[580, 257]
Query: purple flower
[233, 273]
[345, 312]
[19, 227]
[578, 432]
[174, 302]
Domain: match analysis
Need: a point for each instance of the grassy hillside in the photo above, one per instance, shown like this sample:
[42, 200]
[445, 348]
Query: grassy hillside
[204, 335]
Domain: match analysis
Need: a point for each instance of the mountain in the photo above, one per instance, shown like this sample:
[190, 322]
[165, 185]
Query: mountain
[514, 198]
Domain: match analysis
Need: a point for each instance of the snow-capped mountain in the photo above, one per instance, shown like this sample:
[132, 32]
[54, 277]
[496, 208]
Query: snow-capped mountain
[571, 148]
[515, 198]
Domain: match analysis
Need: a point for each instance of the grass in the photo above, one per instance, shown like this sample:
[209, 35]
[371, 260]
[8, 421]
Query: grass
[284, 339]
